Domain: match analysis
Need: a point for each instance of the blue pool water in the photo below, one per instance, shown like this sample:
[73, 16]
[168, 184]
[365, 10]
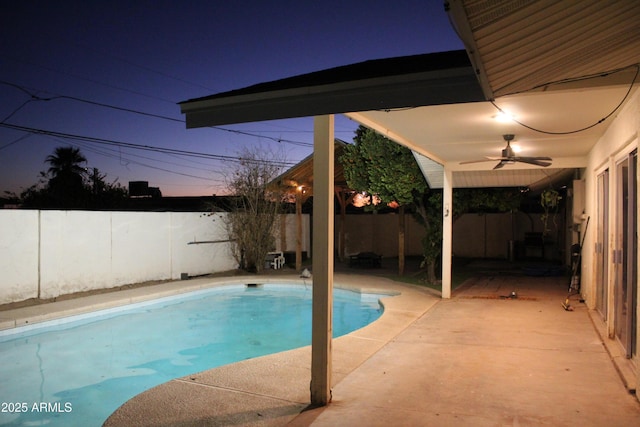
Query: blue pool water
[79, 370]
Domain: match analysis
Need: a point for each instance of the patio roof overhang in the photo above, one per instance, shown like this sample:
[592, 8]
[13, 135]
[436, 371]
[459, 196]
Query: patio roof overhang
[434, 105]
[384, 84]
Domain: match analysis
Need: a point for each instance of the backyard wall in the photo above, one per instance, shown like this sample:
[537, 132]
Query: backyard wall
[474, 235]
[488, 236]
[379, 233]
[44, 254]
[286, 234]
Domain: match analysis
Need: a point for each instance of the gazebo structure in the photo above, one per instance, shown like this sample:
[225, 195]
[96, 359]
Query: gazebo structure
[297, 184]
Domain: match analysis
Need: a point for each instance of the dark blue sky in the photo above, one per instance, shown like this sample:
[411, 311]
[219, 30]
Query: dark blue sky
[146, 56]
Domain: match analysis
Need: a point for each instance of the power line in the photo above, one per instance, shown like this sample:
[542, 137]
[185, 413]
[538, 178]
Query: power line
[25, 136]
[35, 97]
[108, 152]
[129, 62]
[143, 164]
[110, 86]
[135, 146]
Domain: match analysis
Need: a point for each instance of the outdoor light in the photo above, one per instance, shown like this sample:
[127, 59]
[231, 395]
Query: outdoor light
[504, 117]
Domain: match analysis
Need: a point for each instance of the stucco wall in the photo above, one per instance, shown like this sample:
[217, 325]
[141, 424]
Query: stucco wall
[19, 236]
[50, 253]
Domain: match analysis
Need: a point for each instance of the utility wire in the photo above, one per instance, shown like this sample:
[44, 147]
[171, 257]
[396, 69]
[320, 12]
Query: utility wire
[135, 162]
[115, 154]
[110, 86]
[129, 62]
[138, 146]
[35, 97]
[25, 136]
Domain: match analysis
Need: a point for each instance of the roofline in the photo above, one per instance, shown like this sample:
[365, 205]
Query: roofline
[405, 82]
[460, 23]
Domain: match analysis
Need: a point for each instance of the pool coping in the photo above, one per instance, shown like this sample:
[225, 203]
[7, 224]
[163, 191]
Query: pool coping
[267, 390]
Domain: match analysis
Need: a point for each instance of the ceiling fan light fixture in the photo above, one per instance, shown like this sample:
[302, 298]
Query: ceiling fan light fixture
[509, 156]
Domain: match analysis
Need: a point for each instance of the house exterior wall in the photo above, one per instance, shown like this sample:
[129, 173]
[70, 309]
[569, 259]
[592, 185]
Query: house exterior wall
[620, 139]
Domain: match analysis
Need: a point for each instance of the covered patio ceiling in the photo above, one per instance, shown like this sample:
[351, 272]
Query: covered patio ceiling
[563, 122]
[561, 69]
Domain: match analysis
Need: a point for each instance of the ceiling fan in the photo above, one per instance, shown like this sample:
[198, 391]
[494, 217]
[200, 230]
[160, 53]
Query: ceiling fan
[509, 157]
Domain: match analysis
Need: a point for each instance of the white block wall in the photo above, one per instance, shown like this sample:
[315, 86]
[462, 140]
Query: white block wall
[19, 237]
[50, 253]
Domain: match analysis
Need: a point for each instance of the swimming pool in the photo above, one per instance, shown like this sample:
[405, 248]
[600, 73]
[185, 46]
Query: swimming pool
[77, 371]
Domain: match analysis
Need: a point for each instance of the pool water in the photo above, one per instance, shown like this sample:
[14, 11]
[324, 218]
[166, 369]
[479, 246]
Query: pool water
[77, 371]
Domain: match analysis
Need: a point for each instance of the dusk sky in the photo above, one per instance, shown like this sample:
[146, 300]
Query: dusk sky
[138, 59]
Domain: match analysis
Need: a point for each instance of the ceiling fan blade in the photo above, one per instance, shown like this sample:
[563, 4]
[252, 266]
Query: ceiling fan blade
[499, 165]
[533, 161]
[538, 158]
[475, 161]
[486, 159]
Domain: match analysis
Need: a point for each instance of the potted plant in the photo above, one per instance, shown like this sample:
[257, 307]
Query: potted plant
[549, 200]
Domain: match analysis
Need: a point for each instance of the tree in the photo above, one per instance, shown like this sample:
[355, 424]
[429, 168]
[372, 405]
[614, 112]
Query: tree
[66, 161]
[66, 185]
[251, 223]
[387, 170]
[103, 194]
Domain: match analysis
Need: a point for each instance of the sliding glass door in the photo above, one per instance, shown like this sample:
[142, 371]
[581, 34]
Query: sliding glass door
[625, 254]
[601, 245]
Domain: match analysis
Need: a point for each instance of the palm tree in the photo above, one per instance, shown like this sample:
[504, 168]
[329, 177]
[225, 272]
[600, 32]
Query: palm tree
[66, 185]
[66, 161]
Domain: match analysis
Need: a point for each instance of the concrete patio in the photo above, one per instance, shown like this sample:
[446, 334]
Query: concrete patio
[481, 358]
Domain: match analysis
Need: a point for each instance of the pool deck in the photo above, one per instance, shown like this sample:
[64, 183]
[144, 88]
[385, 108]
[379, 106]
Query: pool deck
[477, 359]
